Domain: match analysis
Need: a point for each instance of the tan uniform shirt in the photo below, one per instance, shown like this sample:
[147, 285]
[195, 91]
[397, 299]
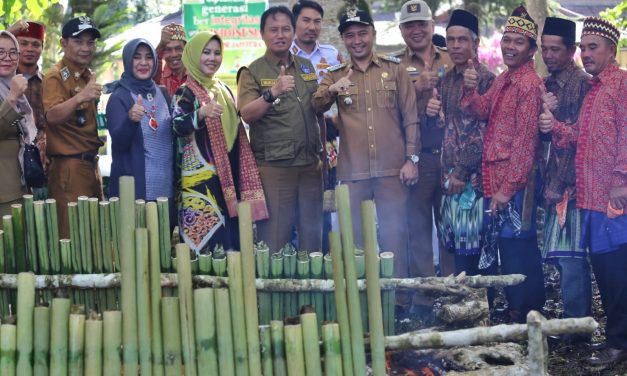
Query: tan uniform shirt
[62, 82]
[379, 128]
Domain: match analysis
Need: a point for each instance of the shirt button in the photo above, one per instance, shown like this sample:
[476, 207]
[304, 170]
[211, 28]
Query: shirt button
[369, 109]
[371, 146]
[367, 91]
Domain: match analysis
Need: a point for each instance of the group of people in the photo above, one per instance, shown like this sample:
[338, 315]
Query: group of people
[427, 132]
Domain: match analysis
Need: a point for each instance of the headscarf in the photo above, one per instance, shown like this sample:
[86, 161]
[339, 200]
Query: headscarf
[128, 81]
[191, 61]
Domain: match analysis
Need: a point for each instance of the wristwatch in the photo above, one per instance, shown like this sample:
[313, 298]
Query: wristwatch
[413, 158]
[267, 96]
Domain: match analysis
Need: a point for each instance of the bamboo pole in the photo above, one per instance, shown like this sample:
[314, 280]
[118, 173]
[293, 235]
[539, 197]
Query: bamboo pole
[262, 257]
[277, 338]
[276, 272]
[290, 303]
[218, 262]
[165, 233]
[52, 226]
[360, 269]
[4, 294]
[332, 349]
[388, 297]
[205, 328]
[311, 344]
[95, 235]
[9, 243]
[224, 332]
[236, 297]
[172, 332]
[8, 342]
[66, 256]
[152, 221]
[93, 346]
[59, 324]
[31, 233]
[204, 263]
[104, 219]
[72, 211]
[294, 353]
[375, 311]
[112, 343]
[140, 213]
[19, 238]
[142, 272]
[265, 347]
[41, 343]
[25, 313]
[76, 345]
[316, 272]
[188, 339]
[302, 272]
[84, 226]
[114, 215]
[329, 297]
[2, 249]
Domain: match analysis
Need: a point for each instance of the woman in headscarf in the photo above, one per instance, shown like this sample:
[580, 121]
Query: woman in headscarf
[215, 159]
[140, 126]
[17, 124]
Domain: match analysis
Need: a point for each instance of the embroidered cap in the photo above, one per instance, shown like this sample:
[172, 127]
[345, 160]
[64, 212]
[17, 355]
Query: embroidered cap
[354, 16]
[77, 25]
[415, 10]
[520, 22]
[177, 32]
[600, 27]
[461, 17]
[559, 26]
[35, 30]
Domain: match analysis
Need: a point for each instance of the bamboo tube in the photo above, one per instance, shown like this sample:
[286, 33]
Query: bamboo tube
[31, 233]
[360, 269]
[129, 287]
[262, 258]
[59, 324]
[140, 213]
[4, 294]
[72, 211]
[188, 339]
[84, 225]
[204, 263]
[52, 226]
[172, 331]
[329, 298]
[302, 272]
[95, 235]
[41, 344]
[8, 342]
[114, 215]
[290, 301]
[19, 237]
[276, 272]
[112, 343]
[265, 347]
[165, 232]
[25, 313]
[294, 353]
[278, 347]
[104, 220]
[205, 328]
[316, 272]
[9, 244]
[311, 344]
[224, 332]
[194, 266]
[340, 303]
[236, 297]
[76, 345]
[375, 312]
[93, 346]
[332, 349]
[388, 297]
[352, 294]
[218, 262]
[2, 247]
[152, 221]
[143, 300]
[66, 256]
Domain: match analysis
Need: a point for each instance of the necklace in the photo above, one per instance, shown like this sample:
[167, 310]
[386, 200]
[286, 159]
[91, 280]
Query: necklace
[152, 122]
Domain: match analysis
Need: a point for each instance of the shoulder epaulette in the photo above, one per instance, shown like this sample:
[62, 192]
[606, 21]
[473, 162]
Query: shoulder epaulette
[397, 53]
[391, 58]
[336, 67]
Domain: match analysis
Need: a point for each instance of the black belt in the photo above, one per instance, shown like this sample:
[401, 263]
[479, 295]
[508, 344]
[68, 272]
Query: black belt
[434, 151]
[89, 157]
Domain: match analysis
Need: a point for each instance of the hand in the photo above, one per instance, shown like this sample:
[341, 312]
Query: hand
[212, 109]
[137, 111]
[471, 77]
[455, 185]
[498, 202]
[17, 88]
[551, 100]
[91, 91]
[434, 105]
[284, 83]
[342, 84]
[18, 27]
[426, 80]
[618, 197]
[409, 174]
[546, 119]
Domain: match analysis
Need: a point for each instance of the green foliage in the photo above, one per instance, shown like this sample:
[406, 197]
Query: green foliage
[12, 11]
[618, 16]
[109, 23]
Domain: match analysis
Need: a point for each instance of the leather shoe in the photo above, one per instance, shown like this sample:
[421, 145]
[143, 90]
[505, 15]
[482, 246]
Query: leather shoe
[608, 356]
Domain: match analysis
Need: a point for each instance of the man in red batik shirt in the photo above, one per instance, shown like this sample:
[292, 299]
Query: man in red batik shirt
[170, 50]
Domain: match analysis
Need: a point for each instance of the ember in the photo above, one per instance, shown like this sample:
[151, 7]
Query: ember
[411, 363]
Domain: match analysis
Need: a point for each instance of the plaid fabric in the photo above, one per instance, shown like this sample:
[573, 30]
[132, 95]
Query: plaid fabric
[490, 246]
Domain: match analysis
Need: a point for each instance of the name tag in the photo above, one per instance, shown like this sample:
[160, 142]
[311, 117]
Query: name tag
[322, 66]
[268, 81]
[309, 77]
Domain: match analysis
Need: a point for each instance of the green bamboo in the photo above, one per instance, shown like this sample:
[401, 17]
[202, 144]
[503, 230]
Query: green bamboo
[224, 332]
[265, 347]
[72, 211]
[360, 269]
[152, 221]
[218, 262]
[278, 347]
[188, 339]
[236, 297]
[2, 257]
[112, 343]
[375, 311]
[388, 297]
[25, 312]
[302, 272]
[332, 349]
[8, 342]
[142, 273]
[9, 244]
[96, 241]
[205, 328]
[52, 226]
[172, 333]
[290, 300]
[204, 263]
[93, 347]
[352, 293]
[311, 344]
[294, 353]
[329, 297]
[76, 345]
[104, 219]
[165, 233]
[316, 271]
[31, 233]
[41, 344]
[19, 237]
[84, 233]
[65, 247]
[114, 215]
[140, 213]
[129, 280]
[262, 258]
[59, 325]
[276, 272]
[194, 265]
[341, 303]
[4, 294]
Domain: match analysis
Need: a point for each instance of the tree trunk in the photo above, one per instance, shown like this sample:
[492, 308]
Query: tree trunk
[539, 10]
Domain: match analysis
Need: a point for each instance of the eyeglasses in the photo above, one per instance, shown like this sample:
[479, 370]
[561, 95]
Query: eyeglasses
[13, 54]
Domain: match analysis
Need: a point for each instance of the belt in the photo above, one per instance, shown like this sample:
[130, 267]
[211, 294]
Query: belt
[434, 151]
[89, 157]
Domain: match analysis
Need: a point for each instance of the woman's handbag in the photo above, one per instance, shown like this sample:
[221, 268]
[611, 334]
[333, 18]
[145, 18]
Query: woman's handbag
[34, 175]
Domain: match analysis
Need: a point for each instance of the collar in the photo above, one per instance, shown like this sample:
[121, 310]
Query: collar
[295, 49]
[167, 73]
[37, 74]
[275, 61]
[521, 71]
[562, 76]
[374, 59]
[435, 54]
[76, 71]
[607, 74]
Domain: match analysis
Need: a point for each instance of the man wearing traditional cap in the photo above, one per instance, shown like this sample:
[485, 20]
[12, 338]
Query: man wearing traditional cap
[600, 135]
[462, 206]
[70, 93]
[170, 50]
[511, 107]
[566, 87]
[377, 123]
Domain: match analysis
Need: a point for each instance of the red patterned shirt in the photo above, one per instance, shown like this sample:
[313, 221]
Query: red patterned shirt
[165, 77]
[600, 161]
[511, 106]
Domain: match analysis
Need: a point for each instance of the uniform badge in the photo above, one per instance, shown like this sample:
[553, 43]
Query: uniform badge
[65, 73]
[304, 68]
[384, 75]
[268, 81]
[412, 71]
[337, 67]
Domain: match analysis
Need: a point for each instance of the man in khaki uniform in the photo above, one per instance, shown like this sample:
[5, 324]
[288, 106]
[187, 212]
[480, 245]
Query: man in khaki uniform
[70, 93]
[377, 122]
[426, 64]
[274, 97]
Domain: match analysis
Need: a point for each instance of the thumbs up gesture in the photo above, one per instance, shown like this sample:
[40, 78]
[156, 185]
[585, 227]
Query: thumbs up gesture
[426, 80]
[434, 105]
[137, 111]
[546, 119]
[471, 77]
[91, 91]
[284, 83]
[342, 84]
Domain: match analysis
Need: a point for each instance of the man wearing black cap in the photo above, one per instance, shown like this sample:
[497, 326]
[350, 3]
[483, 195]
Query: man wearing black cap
[70, 93]
[566, 87]
[462, 207]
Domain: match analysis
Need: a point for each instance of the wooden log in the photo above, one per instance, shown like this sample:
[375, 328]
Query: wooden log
[538, 349]
[471, 310]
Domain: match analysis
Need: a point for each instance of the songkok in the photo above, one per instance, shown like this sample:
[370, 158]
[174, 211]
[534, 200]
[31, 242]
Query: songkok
[354, 16]
[461, 17]
[438, 40]
[600, 27]
[415, 10]
[560, 27]
[35, 30]
[177, 32]
[520, 22]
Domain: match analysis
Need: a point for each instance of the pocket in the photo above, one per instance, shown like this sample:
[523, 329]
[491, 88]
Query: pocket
[386, 94]
[500, 149]
[351, 105]
[279, 150]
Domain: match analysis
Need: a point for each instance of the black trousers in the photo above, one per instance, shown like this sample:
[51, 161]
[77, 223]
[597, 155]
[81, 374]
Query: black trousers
[470, 265]
[610, 271]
